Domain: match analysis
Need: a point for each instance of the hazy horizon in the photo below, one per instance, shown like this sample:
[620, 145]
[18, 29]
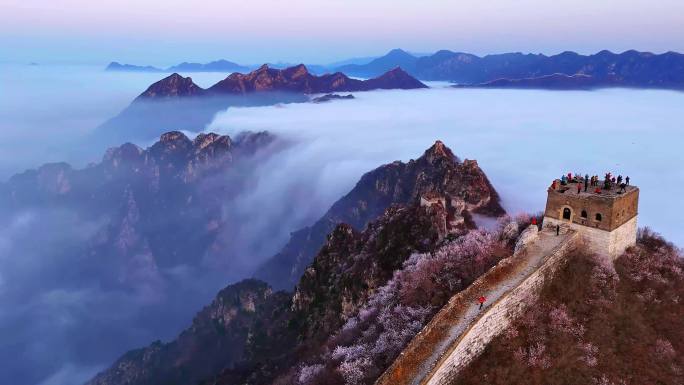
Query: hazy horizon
[168, 32]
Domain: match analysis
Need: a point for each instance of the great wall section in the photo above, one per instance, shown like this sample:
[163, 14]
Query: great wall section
[460, 331]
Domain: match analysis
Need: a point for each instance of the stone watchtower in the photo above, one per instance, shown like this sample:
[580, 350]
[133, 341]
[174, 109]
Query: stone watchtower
[606, 218]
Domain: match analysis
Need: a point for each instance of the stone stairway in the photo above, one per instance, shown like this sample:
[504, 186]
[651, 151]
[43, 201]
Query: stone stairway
[460, 331]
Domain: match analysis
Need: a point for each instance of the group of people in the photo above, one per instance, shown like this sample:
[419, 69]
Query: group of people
[610, 181]
[583, 183]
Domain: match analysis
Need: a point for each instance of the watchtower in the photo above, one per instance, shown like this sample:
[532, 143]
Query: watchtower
[605, 215]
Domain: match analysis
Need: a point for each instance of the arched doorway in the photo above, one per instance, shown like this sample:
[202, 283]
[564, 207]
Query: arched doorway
[567, 213]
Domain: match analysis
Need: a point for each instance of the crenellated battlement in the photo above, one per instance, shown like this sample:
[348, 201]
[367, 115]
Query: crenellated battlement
[603, 212]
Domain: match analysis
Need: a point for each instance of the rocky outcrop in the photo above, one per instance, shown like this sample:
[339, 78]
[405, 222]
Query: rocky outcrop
[438, 170]
[250, 335]
[529, 235]
[348, 269]
[297, 79]
[395, 78]
[163, 204]
[172, 86]
[330, 97]
[177, 103]
[352, 264]
[348, 266]
[219, 335]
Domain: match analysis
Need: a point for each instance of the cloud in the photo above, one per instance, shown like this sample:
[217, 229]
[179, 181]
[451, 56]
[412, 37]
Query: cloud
[522, 139]
[53, 306]
[71, 374]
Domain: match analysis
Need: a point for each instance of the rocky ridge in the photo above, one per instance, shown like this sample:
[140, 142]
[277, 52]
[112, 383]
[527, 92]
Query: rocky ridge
[438, 170]
[253, 335]
[350, 265]
[295, 79]
[605, 69]
[132, 190]
[177, 103]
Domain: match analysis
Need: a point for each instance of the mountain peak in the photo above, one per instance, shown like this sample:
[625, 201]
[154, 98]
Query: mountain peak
[296, 71]
[398, 52]
[439, 151]
[396, 78]
[173, 136]
[172, 86]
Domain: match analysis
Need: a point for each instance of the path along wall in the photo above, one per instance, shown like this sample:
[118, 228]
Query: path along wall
[481, 331]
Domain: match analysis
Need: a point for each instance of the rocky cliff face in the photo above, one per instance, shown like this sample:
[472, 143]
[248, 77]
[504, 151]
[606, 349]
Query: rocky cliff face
[251, 335]
[353, 264]
[156, 208]
[298, 79]
[295, 79]
[393, 79]
[338, 281]
[176, 103]
[238, 319]
[438, 170]
[172, 86]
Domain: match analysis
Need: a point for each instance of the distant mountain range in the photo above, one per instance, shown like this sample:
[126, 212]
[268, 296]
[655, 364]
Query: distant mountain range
[295, 79]
[224, 66]
[550, 82]
[516, 70]
[214, 66]
[177, 103]
[566, 70]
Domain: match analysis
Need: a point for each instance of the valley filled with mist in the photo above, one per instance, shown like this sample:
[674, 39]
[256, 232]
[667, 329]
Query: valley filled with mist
[522, 139]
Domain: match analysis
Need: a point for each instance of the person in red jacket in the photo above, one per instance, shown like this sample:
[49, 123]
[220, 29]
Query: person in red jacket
[481, 300]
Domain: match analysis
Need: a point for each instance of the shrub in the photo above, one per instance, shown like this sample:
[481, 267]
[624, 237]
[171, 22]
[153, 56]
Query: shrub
[371, 340]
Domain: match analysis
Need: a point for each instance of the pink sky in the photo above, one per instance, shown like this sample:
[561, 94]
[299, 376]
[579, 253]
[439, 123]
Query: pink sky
[165, 32]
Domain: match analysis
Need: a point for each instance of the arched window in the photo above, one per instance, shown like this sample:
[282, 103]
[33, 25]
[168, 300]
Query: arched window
[584, 213]
[599, 217]
[567, 213]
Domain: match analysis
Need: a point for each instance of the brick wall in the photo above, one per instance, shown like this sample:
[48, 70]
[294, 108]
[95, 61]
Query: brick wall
[418, 356]
[497, 319]
[615, 211]
[610, 244]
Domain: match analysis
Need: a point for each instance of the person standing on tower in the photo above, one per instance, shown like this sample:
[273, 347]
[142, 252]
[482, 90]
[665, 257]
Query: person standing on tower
[586, 182]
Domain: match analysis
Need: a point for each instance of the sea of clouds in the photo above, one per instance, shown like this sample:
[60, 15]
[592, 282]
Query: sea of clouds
[59, 329]
[523, 139]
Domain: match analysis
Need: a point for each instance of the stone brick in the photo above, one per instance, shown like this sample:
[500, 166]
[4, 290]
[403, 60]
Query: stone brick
[607, 221]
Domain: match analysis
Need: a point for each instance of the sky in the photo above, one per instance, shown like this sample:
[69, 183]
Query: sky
[315, 31]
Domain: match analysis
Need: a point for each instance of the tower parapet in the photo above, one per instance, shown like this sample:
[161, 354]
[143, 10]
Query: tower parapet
[603, 213]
